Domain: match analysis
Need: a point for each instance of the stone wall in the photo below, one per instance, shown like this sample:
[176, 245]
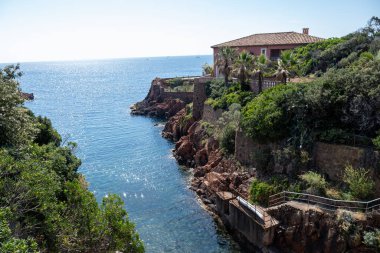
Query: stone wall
[244, 223]
[186, 97]
[210, 115]
[307, 229]
[331, 159]
[245, 148]
[199, 96]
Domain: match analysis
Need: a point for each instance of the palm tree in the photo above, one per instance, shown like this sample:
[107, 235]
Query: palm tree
[207, 70]
[261, 64]
[243, 67]
[226, 57]
[286, 64]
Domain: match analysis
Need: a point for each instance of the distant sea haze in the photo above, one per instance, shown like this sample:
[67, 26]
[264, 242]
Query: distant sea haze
[88, 102]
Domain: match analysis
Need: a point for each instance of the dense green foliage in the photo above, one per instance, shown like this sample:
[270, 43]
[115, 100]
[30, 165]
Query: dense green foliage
[16, 124]
[265, 117]
[259, 192]
[221, 97]
[309, 56]
[226, 127]
[344, 100]
[341, 106]
[9, 243]
[360, 183]
[45, 204]
[337, 52]
[228, 139]
[46, 134]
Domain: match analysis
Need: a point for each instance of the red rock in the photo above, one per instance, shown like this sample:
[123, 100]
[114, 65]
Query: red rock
[201, 157]
[185, 151]
[216, 182]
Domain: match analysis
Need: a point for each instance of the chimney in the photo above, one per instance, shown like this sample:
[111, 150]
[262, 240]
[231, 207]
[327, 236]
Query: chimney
[305, 31]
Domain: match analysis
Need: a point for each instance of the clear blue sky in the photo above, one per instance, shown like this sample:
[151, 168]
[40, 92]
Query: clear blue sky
[40, 30]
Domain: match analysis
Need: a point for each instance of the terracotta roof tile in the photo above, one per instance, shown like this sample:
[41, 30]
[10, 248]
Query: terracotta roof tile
[282, 38]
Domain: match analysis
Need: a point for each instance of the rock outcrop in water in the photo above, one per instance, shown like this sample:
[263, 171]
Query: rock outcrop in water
[27, 96]
[160, 103]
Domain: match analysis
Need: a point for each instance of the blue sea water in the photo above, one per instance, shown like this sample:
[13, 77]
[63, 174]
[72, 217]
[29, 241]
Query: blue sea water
[88, 102]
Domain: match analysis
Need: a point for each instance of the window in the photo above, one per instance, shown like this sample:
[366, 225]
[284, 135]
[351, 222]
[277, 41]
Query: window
[264, 51]
[275, 54]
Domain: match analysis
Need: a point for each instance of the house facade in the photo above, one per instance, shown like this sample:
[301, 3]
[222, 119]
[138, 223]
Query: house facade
[269, 44]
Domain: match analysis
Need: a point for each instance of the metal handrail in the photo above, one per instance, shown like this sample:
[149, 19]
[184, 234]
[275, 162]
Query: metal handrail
[285, 196]
[260, 212]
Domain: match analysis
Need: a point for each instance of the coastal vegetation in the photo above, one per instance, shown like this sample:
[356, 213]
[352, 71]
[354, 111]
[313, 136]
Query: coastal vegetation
[288, 128]
[225, 60]
[45, 204]
[338, 104]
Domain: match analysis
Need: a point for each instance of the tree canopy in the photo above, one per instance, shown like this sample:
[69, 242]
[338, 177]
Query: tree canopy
[45, 204]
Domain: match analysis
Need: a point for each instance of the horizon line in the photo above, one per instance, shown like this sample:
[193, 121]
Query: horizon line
[102, 59]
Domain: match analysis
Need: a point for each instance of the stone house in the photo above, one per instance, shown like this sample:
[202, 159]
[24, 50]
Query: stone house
[269, 44]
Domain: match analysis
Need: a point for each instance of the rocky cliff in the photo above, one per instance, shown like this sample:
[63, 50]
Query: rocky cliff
[300, 231]
[305, 230]
[213, 171]
[159, 103]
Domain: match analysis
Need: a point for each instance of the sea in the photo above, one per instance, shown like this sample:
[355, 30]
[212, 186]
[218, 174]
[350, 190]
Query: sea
[89, 103]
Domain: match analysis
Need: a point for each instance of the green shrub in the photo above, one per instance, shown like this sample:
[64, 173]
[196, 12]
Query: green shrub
[231, 116]
[308, 56]
[46, 134]
[17, 126]
[345, 62]
[372, 238]
[376, 141]
[221, 97]
[232, 98]
[315, 182]
[208, 128]
[359, 182]
[283, 184]
[367, 56]
[259, 192]
[265, 117]
[227, 141]
[342, 101]
[175, 82]
[215, 89]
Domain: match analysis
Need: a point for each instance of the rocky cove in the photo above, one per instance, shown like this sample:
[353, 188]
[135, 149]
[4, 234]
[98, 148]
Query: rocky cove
[219, 178]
